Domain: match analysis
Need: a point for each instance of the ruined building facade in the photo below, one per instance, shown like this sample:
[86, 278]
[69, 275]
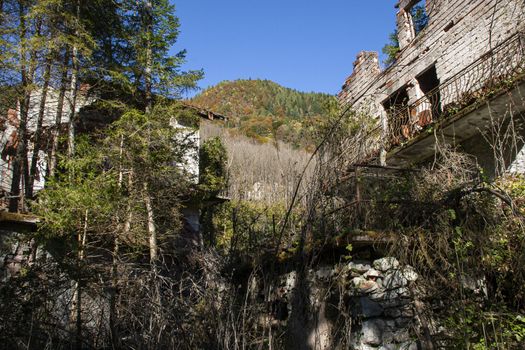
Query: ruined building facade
[453, 77]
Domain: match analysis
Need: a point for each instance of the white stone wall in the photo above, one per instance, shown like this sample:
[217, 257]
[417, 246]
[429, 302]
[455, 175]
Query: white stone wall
[189, 138]
[518, 165]
[48, 121]
[458, 33]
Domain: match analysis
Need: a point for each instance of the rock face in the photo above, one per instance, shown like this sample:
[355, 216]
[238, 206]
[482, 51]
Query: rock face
[360, 305]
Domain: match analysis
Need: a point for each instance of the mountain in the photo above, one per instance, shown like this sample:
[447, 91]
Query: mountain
[267, 111]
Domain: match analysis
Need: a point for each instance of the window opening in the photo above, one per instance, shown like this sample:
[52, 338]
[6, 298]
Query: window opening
[397, 101]
[419, 15]
[430, 107]
[396, 107]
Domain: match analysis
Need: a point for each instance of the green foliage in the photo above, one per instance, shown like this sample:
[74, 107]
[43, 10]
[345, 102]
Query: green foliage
[250, 229]
[497, 328]
[212, 163]
[137, 29]
[349, 248]
[391, 49]
[266, 111]
[104, 180]
[7, 100]
[419, 17]
[420, 20]
[83, 187]
[480, 241]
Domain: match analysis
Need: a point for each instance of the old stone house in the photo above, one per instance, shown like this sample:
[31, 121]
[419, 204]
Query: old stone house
[457, 79]
[10, 124]
[89, 118]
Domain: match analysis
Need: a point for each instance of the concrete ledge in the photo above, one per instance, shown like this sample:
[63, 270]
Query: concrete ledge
[470, 121]
[18, 222]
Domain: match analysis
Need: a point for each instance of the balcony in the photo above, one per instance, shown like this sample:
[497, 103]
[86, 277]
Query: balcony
[459, 107]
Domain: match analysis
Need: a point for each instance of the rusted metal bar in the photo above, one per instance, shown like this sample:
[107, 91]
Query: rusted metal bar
[494, 68]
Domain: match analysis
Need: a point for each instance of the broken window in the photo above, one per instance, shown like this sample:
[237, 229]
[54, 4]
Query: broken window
[397, 101]
[429, 107]
[396, 107]
[419, 15]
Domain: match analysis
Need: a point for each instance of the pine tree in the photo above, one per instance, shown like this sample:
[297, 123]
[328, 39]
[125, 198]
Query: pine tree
[152, 29]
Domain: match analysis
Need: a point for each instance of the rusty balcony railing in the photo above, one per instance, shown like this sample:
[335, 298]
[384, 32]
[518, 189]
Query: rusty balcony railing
[490, 73]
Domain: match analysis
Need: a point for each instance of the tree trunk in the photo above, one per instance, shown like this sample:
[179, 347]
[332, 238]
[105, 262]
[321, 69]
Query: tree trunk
[149, 55]
[74, 92]
[21, 151]
[113, 296]
[58, 117]
[152, 232]
[148, 24]
[113, 317]
[38, 131]
[77, 306]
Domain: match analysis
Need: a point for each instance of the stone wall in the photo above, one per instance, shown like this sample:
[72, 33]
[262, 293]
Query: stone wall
[10, 124]
[361, 305]
[457, 34]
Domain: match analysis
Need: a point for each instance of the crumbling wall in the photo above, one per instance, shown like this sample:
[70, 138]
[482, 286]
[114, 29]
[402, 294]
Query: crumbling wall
[9, 133]
[458, 33]
[362, 305]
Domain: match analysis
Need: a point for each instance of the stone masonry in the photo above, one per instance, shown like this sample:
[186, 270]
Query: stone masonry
[458, 34]
[361, 305]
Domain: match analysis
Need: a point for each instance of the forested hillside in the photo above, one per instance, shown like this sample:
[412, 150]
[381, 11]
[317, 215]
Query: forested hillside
[264, 110]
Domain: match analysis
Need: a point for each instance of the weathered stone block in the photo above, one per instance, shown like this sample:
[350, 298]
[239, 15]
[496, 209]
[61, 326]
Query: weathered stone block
[324, 273]
[358, 267]
[372, 273]
[410, 274]
[372, 332]
[386, 264]
[401, 336]
[388, 347]
[394, 280]
[393, 312]
[370, 308]
[403, 321]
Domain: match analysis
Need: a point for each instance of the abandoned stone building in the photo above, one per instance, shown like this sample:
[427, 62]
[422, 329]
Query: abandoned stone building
[9, 125]
[457, 79]
[85, 119]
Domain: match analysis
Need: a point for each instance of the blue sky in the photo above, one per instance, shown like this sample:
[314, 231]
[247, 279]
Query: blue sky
[308, 45]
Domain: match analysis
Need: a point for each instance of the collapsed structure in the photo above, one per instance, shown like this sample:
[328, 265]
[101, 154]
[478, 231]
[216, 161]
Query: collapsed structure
[458, 75]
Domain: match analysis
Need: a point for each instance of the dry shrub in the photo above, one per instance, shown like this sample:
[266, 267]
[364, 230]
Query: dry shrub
[266, 172]
[469, 251]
